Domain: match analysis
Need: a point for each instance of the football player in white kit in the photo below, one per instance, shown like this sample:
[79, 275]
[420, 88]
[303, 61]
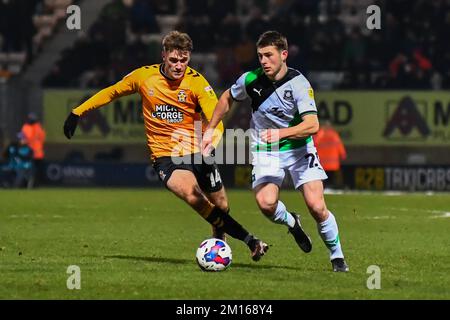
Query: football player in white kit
[284, 119]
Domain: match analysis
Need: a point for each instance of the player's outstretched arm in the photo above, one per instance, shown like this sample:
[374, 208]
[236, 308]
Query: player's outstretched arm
[100, 99]
[126, 86]
[221, 109]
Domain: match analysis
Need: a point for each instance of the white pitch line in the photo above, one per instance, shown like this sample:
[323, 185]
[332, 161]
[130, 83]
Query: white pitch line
[442, 215]
[439, 212]
[381, 217]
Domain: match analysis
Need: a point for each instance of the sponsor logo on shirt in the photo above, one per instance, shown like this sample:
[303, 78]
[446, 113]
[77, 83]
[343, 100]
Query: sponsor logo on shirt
[311, 93]
[168, 113]
[210, 91]
[257, 91]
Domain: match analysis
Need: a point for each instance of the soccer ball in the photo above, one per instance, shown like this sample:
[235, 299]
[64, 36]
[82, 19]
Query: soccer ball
[214, 255]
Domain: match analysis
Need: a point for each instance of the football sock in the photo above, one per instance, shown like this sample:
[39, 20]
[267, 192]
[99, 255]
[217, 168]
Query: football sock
[329, 232]
[220, 219]
[282, 216]
[219, 232]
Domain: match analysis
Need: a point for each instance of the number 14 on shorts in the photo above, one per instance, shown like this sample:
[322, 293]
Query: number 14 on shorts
[215, 178]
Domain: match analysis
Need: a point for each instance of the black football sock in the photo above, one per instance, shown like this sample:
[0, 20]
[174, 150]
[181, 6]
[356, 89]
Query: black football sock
[219, 232]
[224, 221]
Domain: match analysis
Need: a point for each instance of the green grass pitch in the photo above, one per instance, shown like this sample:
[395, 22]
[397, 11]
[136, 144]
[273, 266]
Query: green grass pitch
[141, 243]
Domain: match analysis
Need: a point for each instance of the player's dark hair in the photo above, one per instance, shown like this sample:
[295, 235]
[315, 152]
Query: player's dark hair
[272, 38]
[176, 40]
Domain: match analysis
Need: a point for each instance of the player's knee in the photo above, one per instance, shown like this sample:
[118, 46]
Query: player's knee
[267, 205]
[194, 198]
[222, 203]
[224, 206]
[318, 209]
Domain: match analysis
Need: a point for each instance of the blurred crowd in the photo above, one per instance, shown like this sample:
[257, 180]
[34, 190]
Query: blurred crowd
[16, 24]
[25, 25]
[410, 51]
[113, 46]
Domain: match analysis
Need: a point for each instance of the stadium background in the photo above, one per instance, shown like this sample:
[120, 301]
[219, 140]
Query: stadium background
[139, 243]
[361, 78]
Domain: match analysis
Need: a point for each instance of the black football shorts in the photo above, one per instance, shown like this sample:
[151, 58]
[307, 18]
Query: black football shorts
[208, 175]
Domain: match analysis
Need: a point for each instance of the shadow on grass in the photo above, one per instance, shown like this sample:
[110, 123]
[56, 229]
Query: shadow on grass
[186, 261]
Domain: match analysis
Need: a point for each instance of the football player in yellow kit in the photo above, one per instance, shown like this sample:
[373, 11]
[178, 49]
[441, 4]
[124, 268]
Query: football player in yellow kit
[175, 98]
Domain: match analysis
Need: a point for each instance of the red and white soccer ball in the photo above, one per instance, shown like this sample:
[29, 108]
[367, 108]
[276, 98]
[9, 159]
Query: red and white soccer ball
[214, 255]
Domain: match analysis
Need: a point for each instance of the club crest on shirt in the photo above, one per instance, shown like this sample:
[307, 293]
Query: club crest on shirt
[288, 96]
[182, 96]
[151, 93]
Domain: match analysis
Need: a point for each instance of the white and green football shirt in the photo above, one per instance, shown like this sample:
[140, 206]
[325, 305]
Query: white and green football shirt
[276, 105]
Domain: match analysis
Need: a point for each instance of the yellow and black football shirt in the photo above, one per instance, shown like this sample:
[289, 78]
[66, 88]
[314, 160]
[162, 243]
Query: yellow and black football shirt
[175, 112]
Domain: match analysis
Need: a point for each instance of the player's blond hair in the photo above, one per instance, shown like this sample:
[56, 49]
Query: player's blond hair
[176, 40]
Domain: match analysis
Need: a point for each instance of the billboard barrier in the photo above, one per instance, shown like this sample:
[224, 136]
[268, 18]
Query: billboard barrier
[117, 123]
[388, 118]
[367, 118]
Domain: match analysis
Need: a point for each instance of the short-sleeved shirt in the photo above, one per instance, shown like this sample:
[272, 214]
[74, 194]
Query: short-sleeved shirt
[170, 107]
[275, 105]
